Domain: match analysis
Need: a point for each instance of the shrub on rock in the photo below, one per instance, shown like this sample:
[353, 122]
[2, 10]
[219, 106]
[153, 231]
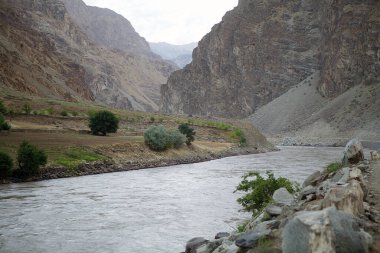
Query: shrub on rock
[260, 190]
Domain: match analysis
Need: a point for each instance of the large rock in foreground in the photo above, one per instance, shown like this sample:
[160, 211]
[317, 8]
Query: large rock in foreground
[353, 152]
[328, 230]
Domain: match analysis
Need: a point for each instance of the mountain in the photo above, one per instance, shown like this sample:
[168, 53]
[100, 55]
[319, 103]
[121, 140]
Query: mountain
[264, 48]
[75, 53]
[179, 54]
[306, 116]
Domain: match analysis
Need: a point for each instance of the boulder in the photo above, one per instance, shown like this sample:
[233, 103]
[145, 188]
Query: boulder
[283, 197]
[195, 243]
[227, 247]
[347, 198]
[222, 235]
[208, 247]
[308, 190]
[353, 152]
[363, 167]
[312, 178]
[341, 176]
[356, 174]
[249, 239]
[328, 230]
[273, 210]
[374, 155]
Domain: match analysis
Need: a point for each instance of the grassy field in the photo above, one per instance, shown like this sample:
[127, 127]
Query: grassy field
[61, 129]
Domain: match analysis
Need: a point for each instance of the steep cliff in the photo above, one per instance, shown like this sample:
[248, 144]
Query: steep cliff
[262, 48]
[43, 52]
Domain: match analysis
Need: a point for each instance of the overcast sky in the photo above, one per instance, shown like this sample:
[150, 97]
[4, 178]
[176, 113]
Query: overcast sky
[173, 21]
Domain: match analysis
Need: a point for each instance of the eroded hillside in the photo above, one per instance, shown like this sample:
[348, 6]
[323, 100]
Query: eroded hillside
[45, 53]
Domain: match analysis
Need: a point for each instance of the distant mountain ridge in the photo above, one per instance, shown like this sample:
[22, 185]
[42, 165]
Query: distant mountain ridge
[179, 54]
[75, 53]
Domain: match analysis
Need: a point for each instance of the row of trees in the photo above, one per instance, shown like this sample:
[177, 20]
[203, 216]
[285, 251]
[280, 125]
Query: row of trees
[29, 159]
[156, 137]
[159, 138]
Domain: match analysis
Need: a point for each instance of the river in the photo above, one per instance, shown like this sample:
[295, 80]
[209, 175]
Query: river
[146, 211]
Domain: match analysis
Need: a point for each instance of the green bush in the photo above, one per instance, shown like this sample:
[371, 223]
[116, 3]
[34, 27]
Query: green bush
[188, 132]
[333, 167]
[64, 113]
[176, 139]
[6, 164]
[103, 122]
[3, 109]
[3, 124]
[260, 190]
[26, 109]
[30, 158]
[239, 135]
[159, 138]
[152, 119]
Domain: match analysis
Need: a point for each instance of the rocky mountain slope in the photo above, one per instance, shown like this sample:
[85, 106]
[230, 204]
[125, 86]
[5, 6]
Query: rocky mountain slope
[47, 53]
[179, 54]
[302, 115]
[263, 48]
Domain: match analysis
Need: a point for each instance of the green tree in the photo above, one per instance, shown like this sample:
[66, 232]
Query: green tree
[260, 190]
[6, 164]
[157, 138]
[3, 109]
[30, 158]
[189, 132]
[176, 139]
[103, 122]
[26, 109]
[3, 124]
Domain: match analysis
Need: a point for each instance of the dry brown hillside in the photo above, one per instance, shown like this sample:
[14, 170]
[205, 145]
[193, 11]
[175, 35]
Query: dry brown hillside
[44, 53]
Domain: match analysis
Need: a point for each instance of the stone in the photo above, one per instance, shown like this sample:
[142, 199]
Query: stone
[341, 176]
[312, 178]
[353, 152]
[328, 230]
[356, 174]
[363, 167]
[348, 198]
[227, 247]
[195, 243]
[222, 235]
[273, 210]
[249, 239]
[374, 155]
[283, 197]
[208, 247]
[308, 190]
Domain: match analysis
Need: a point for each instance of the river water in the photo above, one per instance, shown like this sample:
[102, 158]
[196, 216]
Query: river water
[146, 211]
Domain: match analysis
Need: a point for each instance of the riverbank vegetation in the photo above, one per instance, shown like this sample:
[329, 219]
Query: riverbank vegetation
[68, 143]
[260, 190]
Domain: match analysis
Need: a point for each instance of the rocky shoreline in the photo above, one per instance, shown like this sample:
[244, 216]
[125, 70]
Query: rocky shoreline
[109, 166]
[335, 211]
